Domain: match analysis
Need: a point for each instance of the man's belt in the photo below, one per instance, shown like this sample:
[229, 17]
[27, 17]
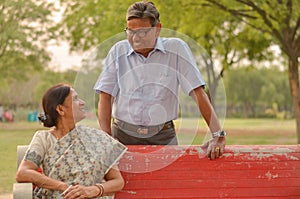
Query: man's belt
[143, 130]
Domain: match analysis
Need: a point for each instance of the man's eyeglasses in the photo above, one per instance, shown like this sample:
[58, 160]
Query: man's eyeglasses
[139, 32]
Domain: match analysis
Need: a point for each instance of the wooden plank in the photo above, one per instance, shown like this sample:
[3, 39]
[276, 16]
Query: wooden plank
[227, 174]
[157, 172]
[211, 193]
[211, 183]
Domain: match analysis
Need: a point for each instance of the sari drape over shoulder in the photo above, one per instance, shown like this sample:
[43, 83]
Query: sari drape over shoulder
[83, 156]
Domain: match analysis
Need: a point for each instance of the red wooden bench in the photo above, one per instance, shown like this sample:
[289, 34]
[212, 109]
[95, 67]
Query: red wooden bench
[184, 172]
[181, 172]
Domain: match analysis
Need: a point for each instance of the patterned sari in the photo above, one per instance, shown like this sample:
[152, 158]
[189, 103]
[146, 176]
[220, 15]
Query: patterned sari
[83, 156]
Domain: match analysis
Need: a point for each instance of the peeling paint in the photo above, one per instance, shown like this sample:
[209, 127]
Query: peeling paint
[279, 150]
[147, 162]
[283, 150]
[267, 167]
[261, 155]
[131, 192]
[158, 157]
[293, 158]
[227, 155]
[199, 151]
[128, 167]
[129, 157]
[270, 176]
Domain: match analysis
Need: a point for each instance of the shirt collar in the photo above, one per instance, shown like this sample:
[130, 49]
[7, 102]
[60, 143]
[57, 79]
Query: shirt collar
[158, 46]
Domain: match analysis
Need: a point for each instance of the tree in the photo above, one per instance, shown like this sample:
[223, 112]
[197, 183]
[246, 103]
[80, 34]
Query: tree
[24, 31]
[230, 31]
[257, 93]
[245, 94]
[87, 23]
[219, 33]
[280, 20]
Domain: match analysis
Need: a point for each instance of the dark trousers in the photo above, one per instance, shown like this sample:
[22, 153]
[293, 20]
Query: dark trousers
[162, 137]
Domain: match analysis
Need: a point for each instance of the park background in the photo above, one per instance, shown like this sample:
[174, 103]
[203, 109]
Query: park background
[248, 51]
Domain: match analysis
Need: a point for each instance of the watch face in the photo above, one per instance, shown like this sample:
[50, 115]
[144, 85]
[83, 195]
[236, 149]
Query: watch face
[219, 134]
[222, 133]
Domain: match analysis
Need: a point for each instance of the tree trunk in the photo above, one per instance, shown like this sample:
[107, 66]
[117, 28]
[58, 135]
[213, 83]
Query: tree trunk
[294, 85]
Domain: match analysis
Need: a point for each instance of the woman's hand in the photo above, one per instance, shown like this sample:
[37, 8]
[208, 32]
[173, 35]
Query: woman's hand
[81, 192]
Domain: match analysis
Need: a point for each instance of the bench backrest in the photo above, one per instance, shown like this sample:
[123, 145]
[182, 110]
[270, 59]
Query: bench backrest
[21, 150]
[183, 172]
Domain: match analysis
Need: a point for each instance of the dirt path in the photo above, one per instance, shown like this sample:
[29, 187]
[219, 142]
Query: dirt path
[6, 196]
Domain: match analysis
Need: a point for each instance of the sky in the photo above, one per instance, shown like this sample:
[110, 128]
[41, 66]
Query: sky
[62, 59]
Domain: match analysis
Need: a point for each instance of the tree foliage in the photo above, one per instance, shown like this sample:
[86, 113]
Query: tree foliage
[279, 20]
[28, 93]
[258, 93]
[87, 23]
[24, 31]
[251, 92]
[233, 33]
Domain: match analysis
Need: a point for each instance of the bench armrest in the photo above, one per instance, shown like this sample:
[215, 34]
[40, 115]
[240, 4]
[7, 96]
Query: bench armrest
[22, 191]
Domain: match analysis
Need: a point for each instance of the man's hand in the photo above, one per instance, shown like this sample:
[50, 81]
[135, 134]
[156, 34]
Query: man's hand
[215, 147]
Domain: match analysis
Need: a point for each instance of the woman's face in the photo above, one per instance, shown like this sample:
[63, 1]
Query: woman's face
[75, 106]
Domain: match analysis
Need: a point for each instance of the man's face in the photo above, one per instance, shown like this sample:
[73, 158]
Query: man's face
[141, 35]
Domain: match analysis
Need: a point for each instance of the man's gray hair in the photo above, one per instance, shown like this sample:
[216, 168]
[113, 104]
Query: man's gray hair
[143, 10]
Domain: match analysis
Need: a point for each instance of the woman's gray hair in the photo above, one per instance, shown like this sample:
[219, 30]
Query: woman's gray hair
[143, 10]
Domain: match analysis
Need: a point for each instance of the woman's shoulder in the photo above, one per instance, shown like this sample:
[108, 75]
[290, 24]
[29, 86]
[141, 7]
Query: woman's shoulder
[46, 134]
[41, 141]
[43, 138]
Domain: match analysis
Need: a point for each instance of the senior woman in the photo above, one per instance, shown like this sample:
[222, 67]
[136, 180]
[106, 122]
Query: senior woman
[77, 161]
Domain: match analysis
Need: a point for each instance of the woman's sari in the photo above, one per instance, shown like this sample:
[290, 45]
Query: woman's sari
[83, 156]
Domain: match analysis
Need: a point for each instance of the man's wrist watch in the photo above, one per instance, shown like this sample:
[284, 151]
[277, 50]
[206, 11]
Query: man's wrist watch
[219, 134]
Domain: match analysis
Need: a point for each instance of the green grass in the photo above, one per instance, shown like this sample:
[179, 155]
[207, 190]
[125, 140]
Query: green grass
[266, 124]
[241, 131]
[190, 131]
[261, 131]
[11, 135]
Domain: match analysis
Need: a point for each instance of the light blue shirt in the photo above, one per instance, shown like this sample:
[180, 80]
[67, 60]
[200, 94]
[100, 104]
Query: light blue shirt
[146, 90]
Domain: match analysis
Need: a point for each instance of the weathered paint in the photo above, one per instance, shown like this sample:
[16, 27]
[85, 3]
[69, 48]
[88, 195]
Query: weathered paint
[183, 172]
